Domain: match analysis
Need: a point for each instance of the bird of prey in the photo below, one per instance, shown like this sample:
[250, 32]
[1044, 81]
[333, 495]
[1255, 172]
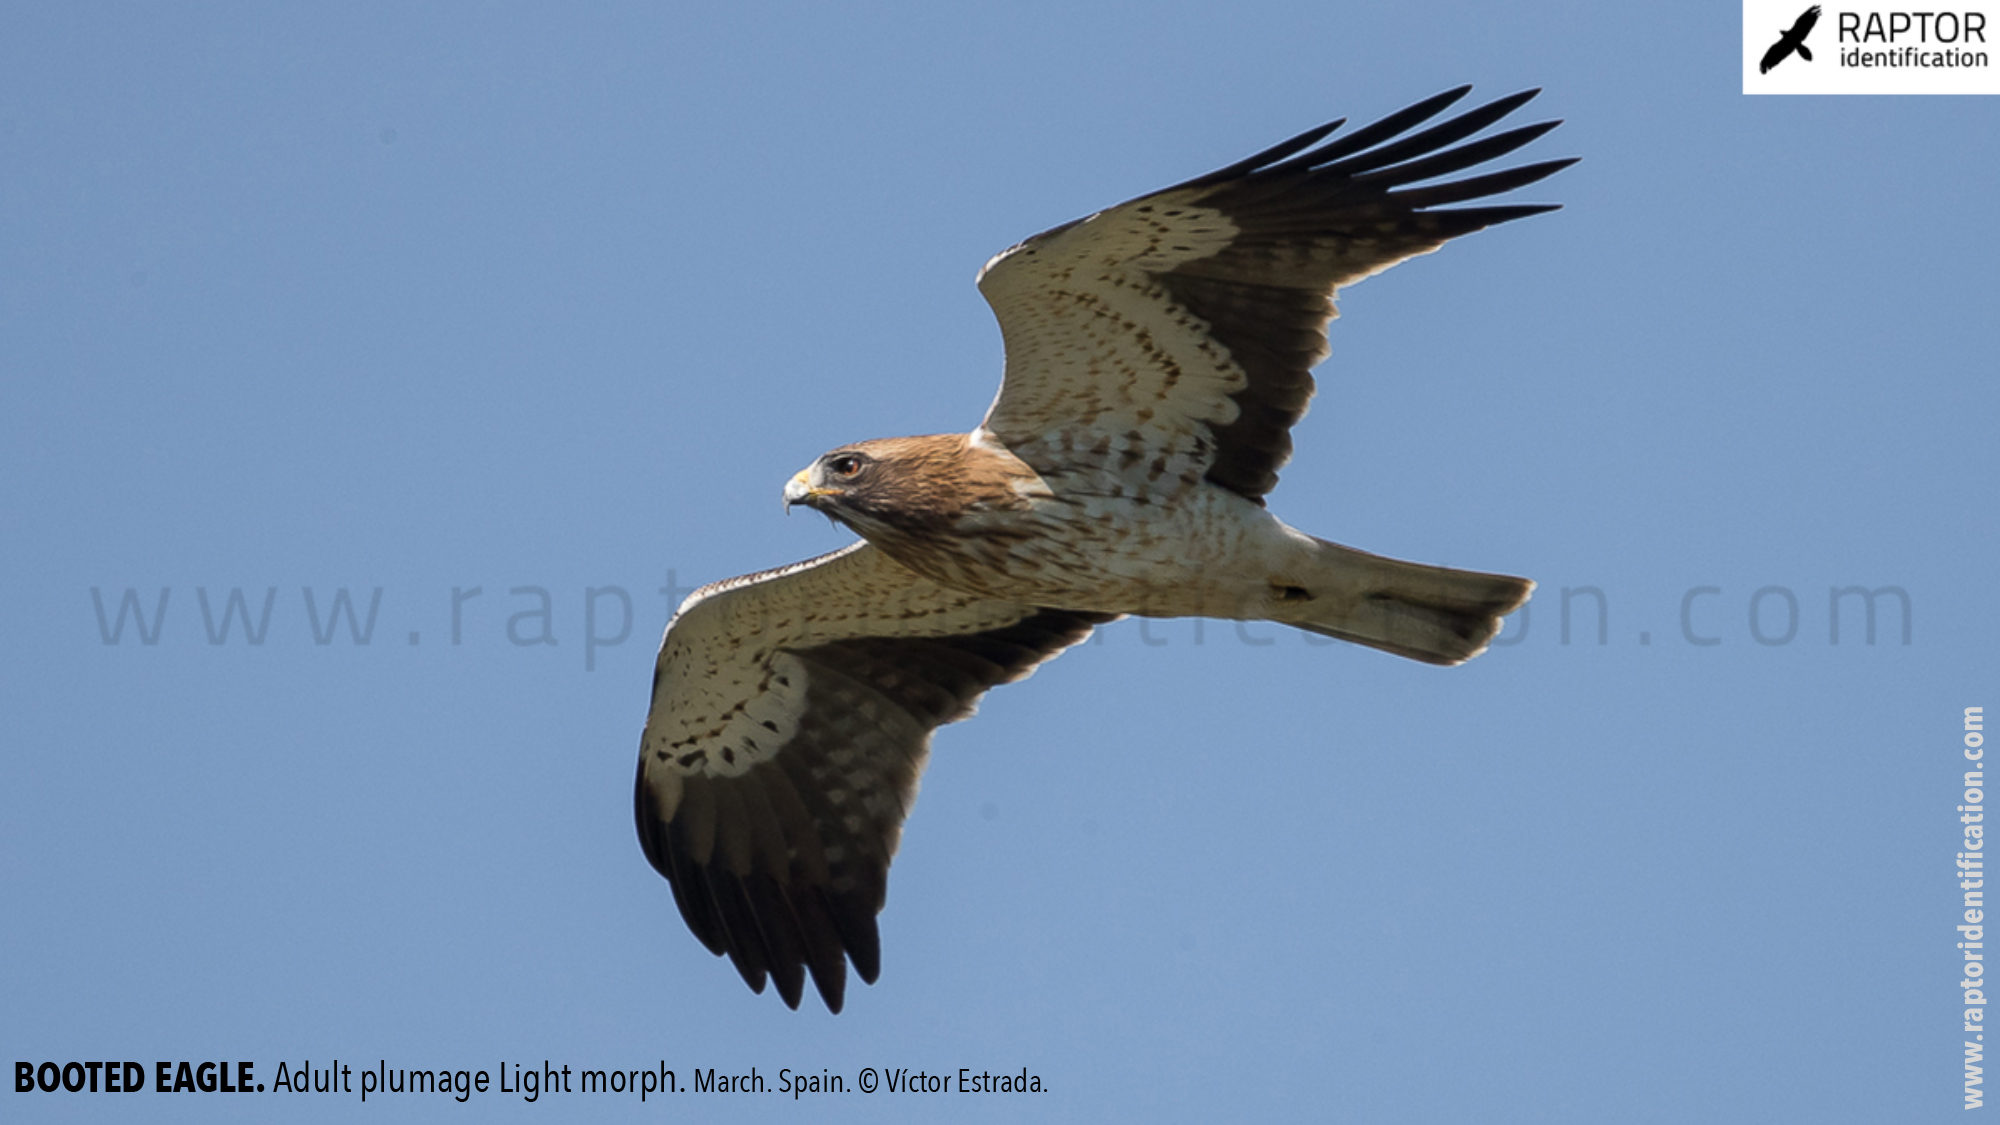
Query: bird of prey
[1793, 40]
[1157, 355]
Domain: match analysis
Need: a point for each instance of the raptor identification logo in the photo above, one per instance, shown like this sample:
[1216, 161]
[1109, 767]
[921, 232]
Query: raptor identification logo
[1793, 47]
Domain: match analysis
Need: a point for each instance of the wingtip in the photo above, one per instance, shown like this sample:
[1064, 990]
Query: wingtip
[791, 996]
[1437, 103]
[832, 993]
[1513, 101]
[1526, 210]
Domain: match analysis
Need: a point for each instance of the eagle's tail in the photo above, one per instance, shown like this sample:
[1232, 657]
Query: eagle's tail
[1428, 613]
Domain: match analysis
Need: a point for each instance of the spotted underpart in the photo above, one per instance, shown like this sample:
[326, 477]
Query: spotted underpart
[1158, 355]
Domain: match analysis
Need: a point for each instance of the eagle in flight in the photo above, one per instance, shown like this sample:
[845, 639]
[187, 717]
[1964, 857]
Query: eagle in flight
[1157, 356]
[1792, 40]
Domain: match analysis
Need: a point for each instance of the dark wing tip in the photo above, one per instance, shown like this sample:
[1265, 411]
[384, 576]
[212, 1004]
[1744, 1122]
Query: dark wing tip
[1479, 187]
[746, 918]
[1368, 136]
[1285, 155]
[1387, 154]
[770, 933]
[1381, 162]
[1266, 158]
[1324, 215]
[751, 858]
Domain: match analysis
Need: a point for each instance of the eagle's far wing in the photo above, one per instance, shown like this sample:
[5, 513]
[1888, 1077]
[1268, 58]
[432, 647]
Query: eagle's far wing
[1804, 26]
[792, 714]
[1171, 338]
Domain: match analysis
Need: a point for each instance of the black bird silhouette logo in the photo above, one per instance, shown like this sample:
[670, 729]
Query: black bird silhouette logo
[1793, 40]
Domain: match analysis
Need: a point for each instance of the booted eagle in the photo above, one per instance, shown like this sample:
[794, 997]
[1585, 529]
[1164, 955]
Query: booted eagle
[1158, 354]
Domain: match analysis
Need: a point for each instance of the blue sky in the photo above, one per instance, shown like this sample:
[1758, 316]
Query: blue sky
[527, 299]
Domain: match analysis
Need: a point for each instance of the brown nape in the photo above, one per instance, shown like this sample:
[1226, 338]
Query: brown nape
[933, 480]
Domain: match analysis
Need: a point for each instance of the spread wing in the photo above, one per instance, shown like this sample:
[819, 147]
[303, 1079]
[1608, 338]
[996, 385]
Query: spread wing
[1793, 40]
[1170, 339]
[792, 714]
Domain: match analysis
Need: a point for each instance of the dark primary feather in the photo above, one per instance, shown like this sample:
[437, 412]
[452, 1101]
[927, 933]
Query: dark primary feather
[1314, 213]
[784, 868]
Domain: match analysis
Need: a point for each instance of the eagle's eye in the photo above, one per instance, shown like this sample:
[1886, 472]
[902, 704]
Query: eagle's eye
[845, 465]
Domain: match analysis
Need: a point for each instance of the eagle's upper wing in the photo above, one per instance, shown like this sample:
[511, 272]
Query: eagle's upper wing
[1804, 25]
[792, 713]
[1171, 338]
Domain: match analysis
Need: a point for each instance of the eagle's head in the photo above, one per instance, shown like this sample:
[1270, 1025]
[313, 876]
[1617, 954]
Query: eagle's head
[895, 487]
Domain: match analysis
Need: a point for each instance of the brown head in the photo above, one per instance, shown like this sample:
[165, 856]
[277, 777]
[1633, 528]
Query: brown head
[914, 485]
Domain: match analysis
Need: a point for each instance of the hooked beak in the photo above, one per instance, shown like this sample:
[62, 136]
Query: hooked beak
[799, 490]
